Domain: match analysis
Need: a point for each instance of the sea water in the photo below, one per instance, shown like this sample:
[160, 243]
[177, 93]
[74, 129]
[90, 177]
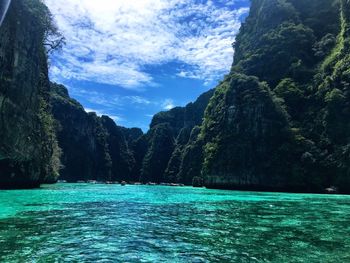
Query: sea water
[112, 223]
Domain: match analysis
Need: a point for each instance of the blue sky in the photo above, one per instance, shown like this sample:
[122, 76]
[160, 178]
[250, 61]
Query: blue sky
[130, 59]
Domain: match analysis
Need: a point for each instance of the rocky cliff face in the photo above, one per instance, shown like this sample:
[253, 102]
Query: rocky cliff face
[29, 154]
[267, 126]
[94, 148]
[248, 137]
[118, 140]
[161, 150]
[278, 121]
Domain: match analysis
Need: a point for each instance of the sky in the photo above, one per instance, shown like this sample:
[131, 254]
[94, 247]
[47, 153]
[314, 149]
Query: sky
[130, 59]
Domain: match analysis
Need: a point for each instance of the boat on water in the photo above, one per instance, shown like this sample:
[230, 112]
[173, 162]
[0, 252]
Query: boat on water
[331, 190]
[61, 181]
[176, 184]
[92, 181]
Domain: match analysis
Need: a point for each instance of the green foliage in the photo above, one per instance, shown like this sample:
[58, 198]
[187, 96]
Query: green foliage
[172, 170]
[265, 15]
[324, 46]
[292, 95]
[335, 97]
[285, 51]
[52, 39]
[342, 40]
[296, 137]
[322, 16]
[245, 133]
[139, 149]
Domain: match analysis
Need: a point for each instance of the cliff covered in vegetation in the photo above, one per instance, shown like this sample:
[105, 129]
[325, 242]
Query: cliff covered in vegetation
[93, 148]
[160, 154]
[279, 121]
[29, 154]
[44, 134]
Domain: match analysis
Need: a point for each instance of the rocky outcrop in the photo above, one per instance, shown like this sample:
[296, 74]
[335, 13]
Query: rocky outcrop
[94, 148]
[279, 120]
[29, 154]
[247, 137]
[164, 145]
[81, 138]
[123, 161]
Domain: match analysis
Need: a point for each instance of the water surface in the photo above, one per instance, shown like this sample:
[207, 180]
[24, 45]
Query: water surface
[111, 223]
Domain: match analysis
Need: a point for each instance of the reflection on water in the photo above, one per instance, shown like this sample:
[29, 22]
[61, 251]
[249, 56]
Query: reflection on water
[97, 223]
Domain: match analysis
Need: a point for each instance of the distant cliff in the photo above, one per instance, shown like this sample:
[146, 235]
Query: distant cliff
[93, 148]
[160, 152]
[29, 154]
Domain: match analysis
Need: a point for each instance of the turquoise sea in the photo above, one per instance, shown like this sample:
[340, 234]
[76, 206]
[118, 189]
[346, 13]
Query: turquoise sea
[112, 223]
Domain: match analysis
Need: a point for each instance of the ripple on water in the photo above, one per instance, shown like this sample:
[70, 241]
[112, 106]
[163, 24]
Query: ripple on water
[97, 223]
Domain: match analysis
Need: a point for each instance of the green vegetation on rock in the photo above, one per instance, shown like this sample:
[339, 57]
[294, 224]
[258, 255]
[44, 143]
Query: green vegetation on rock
[29, 154]
[167, 143]
[94, 148]
[279, 121]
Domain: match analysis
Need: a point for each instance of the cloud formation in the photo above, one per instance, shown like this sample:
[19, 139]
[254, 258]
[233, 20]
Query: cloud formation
[168, 104]
[117, 119]
[109, 102]
[112, 41]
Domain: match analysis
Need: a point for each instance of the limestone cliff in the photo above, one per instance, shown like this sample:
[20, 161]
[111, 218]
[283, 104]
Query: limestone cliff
[162, 149]
[279, 121]
[94, 148]
[29, 154]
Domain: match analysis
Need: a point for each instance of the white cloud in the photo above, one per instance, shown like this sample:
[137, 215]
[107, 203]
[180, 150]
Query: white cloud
[138, 100]
[168, 104]
[111, 41]
[98, 98]
[117, 119]
[113, 102]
